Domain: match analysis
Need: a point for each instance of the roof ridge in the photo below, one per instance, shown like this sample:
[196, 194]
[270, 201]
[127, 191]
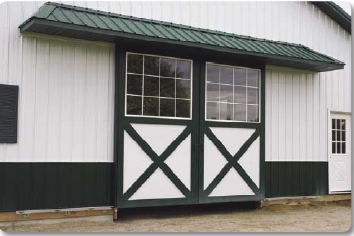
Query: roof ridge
[181, 26]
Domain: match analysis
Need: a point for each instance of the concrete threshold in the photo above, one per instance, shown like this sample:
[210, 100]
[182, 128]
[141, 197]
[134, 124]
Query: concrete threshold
[62, 215]
[305, 200]
[52, 216]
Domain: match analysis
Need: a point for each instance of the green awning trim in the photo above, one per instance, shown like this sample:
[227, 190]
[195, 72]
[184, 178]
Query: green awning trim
[84, 23]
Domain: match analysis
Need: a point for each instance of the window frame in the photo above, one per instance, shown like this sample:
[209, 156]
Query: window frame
[159, 97]
[259, 94]
[336, 141]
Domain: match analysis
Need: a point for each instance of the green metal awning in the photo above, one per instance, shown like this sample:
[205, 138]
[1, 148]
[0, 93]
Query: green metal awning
[88, 24]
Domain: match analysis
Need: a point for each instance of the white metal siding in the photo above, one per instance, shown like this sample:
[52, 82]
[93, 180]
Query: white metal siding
[296, 116]
[66, 93]
[296, 22]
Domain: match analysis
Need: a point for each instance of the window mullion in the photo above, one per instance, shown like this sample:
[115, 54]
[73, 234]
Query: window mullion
[143, 85]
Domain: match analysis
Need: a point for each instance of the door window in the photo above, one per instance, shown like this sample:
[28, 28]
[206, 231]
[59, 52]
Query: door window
[339, 136]
[158, 86]
[232, 93]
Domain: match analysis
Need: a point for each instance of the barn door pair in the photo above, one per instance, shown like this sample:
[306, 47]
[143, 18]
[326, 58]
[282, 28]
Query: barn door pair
[182, 136]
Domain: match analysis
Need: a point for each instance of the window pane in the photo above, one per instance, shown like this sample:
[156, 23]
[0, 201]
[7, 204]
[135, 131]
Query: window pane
[226, 75]
[343, 148]
[152, 81]
[167, 107]
[240, 94]
[183, 69]
[333, 123]
[151, 106]
[151, 65]
[168, 67]
[182, 108]
[333, 148]
[333, 135]
[338, 137]
[151, 86]
[339, 147]
[252, 96]
[212, 111]
[239, 77]
[135, 64]
[183, 88]
[226, 93]
[167, 87]
[252, 78]
[252, 113]
[133, 105]
[232, 93]
[343, 124]
[226, 111]
[134, 84]
[343, 136]
[239, 112]
[213, 92]
[337, 124]
[213, 74]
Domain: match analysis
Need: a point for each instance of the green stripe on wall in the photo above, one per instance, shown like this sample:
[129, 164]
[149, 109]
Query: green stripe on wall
[31, 186]
[296, 179]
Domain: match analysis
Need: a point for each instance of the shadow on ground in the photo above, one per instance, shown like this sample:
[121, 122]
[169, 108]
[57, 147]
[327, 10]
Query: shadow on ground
[161, 212]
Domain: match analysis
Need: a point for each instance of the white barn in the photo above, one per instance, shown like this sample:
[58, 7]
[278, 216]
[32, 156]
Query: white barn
[232, 101]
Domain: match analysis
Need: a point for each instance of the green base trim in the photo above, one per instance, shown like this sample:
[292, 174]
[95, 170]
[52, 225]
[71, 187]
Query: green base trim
[285, 179]
[239, 198]
[33, 186]
[158, 202]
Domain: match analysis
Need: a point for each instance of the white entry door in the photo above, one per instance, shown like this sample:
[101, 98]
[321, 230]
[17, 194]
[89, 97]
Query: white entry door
[340, 154]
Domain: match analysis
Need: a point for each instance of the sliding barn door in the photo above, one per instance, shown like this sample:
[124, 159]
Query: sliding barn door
[230, 166]
[157, 158]
[188, 132]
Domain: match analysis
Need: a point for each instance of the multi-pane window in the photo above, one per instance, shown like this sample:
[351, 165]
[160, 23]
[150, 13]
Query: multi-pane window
[232, 93]
[338, 136]
[158, 86]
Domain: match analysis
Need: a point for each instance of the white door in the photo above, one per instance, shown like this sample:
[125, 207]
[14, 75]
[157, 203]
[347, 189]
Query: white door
[339, 154]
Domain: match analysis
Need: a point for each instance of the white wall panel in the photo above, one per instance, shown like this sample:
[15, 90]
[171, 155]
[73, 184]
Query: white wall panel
[66, 103]
[66, 93]
[73, 70]
[296, 118]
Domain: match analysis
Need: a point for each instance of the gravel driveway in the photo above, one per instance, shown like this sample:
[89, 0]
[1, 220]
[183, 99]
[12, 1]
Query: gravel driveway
[227, 218]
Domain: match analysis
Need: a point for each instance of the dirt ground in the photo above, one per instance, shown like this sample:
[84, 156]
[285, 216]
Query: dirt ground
[334, 217]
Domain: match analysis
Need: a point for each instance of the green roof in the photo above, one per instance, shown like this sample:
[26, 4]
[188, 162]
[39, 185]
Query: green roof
[78, 22]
